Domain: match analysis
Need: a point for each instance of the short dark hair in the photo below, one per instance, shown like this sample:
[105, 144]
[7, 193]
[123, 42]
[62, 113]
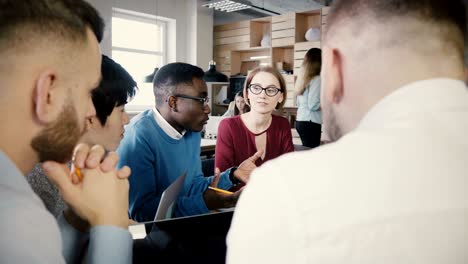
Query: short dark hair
[115, 88]
[22, 22]
[169, 76]
[91, 17]
[450, 13]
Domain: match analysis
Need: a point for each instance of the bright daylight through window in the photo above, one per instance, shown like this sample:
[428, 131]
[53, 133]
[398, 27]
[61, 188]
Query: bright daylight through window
[139, 45]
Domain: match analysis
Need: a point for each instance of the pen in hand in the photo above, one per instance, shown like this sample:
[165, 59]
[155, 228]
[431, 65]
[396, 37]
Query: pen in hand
[219, 190]
[78, 174]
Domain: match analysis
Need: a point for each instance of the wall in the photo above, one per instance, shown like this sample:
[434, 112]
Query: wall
[204, 48]
[192, 32]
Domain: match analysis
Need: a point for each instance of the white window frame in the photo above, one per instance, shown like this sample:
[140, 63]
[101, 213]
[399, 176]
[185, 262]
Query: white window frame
[164, 24]
[145, 18]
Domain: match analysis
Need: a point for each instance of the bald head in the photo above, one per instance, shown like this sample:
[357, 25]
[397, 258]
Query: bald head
[373, 47]
[425, 27]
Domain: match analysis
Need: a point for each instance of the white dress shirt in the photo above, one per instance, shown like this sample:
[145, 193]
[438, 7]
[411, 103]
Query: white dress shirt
[394, 190]
[165, 126]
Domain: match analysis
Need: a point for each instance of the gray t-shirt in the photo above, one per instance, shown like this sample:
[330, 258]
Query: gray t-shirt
[46, 190]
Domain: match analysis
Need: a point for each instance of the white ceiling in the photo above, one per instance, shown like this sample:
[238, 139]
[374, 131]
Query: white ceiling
[284, 6]
[276, 6]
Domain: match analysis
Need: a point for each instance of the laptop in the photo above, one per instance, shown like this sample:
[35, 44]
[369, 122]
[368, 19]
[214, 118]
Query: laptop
[168, 199]
[211, 127]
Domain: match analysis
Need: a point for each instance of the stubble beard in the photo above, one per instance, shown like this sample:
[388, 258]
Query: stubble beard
[57, 141]
[332, 128]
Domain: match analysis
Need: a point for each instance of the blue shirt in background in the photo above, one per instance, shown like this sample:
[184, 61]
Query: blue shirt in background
[308, 103]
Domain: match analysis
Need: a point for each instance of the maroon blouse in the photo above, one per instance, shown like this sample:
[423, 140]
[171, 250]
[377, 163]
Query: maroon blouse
[235, 142]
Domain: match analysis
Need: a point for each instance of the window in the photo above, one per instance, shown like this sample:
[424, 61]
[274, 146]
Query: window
[139, 45]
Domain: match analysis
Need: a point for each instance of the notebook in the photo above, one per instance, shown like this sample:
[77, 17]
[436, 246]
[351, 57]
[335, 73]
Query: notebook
[168, 198]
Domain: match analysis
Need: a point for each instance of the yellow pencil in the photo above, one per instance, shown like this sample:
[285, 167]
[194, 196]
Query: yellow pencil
[219, 190]
[78, 173]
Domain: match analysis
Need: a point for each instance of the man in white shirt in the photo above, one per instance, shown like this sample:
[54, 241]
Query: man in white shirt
[393, 188]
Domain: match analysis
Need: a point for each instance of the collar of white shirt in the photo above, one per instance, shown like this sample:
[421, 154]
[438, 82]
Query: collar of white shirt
[419, 97]
[166, 127]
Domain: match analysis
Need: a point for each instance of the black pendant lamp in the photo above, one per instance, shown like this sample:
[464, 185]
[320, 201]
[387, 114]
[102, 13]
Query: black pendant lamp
[212, 75]
[149, 78]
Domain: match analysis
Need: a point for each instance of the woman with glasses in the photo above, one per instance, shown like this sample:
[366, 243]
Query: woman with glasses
[239, 137]
[309, 116]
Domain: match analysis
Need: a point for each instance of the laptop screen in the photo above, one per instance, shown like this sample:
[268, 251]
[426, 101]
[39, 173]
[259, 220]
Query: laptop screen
[168, 198]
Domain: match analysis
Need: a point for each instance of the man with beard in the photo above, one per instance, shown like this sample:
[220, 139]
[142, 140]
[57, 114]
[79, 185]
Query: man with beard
[161, 143]
[50, 65]
[106, 128]
[393, 188]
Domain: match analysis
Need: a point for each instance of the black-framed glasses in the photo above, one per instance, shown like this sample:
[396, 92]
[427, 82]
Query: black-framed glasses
[204, 101]
[270, 90]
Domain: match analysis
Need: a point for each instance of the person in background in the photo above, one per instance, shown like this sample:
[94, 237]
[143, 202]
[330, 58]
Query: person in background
[238, 106]
[50, 65]
[393, 187]
[162, 143]
[106, 128]
[309, 116]
[239, 137]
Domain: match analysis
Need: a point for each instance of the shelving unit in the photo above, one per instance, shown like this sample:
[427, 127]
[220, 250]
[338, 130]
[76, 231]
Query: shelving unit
[306, 20]
[290, 80]
[214, 88]
[300, 49]
[247, 59]
[238, 45]
[283, 30]
[283, 58]
[258, 28]
[325, 11]
[229, 37]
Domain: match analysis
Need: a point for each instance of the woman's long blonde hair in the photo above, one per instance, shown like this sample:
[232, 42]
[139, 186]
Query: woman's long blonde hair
[311, 67]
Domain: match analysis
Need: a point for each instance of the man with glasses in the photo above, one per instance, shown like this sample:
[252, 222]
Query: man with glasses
[160, 144]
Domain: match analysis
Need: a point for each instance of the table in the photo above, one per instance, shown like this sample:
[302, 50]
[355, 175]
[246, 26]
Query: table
[194, 239]
[207, 147]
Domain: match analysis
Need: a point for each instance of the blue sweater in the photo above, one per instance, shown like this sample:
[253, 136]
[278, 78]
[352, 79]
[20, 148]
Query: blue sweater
[156, 160]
